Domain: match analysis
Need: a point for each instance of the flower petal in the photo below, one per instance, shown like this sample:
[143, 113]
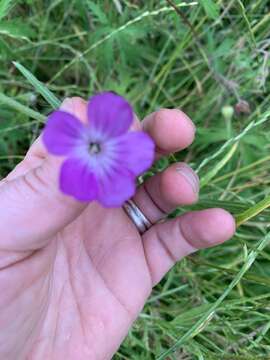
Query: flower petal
[116, 187]
[109, 114]
[135, 151]
[63, 133]
[77, 180]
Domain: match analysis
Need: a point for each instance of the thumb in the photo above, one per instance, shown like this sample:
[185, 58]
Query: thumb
[32, 208]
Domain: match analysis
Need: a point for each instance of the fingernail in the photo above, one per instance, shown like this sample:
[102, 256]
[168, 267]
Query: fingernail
[190, 176]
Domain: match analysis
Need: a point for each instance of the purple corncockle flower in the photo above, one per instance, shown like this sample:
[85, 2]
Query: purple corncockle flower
[103, 158]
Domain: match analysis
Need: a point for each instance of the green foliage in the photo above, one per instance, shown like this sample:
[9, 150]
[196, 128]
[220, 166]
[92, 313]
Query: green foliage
[211, 8]
[16, 29]
[40, 88]
[98, 13]
[212, 305]
[5, 7]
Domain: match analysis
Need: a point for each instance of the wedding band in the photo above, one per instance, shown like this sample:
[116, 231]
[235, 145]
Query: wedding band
[136, 215]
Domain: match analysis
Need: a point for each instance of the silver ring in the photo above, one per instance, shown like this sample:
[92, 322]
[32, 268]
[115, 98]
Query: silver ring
[135, 214]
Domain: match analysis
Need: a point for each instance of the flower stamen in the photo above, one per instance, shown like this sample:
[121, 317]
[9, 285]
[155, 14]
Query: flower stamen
[94, 148]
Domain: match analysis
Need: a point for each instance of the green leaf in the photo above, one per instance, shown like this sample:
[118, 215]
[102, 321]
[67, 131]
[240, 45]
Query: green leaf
[211, 9]
[224, 48]
[5, 50]
[259, 141]
[97, 11]
[16, 29]
[40, 88]
[5, 7]
[105, 55]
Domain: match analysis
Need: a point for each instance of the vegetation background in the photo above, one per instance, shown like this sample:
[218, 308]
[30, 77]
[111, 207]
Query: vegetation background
[209, 58]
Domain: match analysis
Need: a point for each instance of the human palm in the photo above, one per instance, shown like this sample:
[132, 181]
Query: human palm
[73, 276]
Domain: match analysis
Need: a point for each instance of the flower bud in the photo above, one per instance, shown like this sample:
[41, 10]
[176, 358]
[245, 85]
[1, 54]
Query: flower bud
[227, 111]
[242, 107]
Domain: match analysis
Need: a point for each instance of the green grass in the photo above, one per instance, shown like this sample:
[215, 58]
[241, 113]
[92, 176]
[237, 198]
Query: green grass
[214, 304]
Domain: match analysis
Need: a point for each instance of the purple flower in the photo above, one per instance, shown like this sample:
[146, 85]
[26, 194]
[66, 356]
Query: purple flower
[102, 157]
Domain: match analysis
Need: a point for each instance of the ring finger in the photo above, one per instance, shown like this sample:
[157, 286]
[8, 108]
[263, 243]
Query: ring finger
[178, 185]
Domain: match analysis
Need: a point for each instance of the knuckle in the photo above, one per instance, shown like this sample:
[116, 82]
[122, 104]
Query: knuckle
[42, 184]
[171, 254]
[183, 234]
[34, 181]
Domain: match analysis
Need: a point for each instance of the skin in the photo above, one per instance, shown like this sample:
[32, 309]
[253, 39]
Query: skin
[75, 276]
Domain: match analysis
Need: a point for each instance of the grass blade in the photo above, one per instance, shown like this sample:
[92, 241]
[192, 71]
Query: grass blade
[40, 88]
[242, 170]
[253, 124]
[205, 180]
[206, 318]
[253, 211]
[13, 104]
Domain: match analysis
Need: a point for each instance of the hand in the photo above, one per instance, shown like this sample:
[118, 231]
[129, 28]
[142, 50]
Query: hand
[74, 277]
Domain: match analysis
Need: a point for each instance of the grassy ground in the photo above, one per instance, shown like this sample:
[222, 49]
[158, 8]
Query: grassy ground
[210, 59]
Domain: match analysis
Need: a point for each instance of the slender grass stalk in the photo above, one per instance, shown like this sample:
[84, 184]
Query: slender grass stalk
[243, 11]
[241, 170]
